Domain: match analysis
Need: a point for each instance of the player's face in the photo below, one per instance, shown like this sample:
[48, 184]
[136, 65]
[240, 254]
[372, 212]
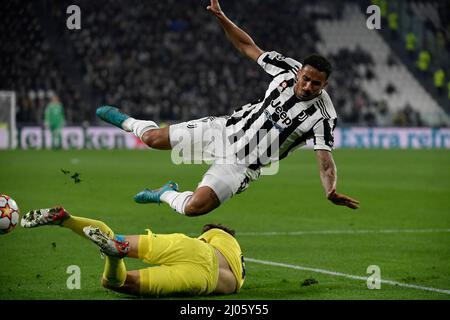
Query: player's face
[310, 82]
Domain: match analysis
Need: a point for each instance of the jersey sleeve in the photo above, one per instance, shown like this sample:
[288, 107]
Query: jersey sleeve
[323, 134]
[275, 63]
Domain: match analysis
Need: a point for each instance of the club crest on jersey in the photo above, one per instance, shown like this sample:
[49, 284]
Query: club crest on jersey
[302, 116]
[283, 85]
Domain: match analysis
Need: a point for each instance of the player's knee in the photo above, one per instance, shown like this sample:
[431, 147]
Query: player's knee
[157, 138]
[151, 138]
[200, 204]
[195, 207]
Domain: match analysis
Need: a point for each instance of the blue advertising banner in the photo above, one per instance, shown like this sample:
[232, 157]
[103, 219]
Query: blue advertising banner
[351, 137]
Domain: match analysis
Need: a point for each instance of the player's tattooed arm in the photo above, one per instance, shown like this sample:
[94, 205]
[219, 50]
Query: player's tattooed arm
[328, 176]
[239, 38]
[327, 169]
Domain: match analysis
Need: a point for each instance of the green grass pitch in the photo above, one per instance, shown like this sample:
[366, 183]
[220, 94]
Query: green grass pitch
[403, 225]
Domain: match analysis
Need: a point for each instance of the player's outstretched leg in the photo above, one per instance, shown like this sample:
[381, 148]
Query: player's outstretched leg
[168, 193]
[110, 247]
[154, 196]
[115, 272]
[189, 203]
[41, 217]
[154, 137]
[61, 217]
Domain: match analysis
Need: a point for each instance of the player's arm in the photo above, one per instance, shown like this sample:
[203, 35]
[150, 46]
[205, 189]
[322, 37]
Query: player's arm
[328, 176]
[239, 38]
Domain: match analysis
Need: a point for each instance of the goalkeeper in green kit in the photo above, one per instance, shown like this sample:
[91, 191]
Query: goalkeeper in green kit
[54, 121]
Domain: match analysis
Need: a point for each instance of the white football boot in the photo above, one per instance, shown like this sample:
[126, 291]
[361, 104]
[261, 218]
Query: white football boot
[43, 217]
[108, 246]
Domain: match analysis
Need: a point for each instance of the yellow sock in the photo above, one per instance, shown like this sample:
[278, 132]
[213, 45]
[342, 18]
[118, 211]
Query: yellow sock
[76, 224]
[115, 271]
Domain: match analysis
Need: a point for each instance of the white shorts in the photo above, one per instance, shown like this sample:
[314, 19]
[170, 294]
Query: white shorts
[201, 140]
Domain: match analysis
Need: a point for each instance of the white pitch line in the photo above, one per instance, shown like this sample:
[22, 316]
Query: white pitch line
[344, 275]
[301, 233]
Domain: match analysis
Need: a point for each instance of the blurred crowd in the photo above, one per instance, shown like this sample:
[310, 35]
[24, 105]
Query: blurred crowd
[27, 63]
[164, 60]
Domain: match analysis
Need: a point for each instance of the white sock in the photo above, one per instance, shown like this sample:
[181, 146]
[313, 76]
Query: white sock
[176, 200]
[138, 127]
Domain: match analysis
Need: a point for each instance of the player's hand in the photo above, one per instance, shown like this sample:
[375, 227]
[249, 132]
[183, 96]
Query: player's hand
[343, 200]
[214, 8]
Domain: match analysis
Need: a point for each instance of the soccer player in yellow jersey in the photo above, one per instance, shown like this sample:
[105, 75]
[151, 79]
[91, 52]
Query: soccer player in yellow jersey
[209, 264]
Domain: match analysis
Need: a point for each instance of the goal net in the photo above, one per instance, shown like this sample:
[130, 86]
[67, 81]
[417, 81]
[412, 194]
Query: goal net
[8, 129]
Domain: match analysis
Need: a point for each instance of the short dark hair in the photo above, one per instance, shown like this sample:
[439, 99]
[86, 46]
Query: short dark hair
[210, 226]
[318, 62]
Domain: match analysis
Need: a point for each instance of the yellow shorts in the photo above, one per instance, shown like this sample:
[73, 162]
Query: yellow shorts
[185, 265]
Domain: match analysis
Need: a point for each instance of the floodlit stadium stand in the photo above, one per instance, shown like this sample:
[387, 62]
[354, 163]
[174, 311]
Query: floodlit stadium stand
[171, 62]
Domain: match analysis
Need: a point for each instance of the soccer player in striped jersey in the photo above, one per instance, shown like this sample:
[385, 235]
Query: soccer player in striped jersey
[295, 108]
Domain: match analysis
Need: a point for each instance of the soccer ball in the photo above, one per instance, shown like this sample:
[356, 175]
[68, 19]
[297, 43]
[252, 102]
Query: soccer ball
[9, 214]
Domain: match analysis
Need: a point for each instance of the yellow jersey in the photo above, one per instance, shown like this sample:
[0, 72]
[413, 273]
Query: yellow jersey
[229, 247]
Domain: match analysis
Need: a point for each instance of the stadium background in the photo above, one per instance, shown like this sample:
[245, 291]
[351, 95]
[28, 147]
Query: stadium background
[170, 61]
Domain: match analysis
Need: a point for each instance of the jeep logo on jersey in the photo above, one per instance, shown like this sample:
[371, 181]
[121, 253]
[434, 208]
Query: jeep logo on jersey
[283, 116]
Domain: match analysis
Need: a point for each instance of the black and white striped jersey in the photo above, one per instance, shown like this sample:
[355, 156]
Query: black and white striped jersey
[269, 129]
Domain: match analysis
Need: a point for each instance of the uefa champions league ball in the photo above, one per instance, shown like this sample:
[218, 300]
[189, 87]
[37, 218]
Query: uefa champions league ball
[9, 214]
